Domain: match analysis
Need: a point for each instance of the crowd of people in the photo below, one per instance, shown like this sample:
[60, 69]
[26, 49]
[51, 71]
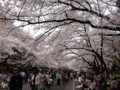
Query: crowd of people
[87, 81]
[15, 78]
[43, 79]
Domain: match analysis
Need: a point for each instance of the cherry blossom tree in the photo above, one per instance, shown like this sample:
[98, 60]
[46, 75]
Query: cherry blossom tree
[67, 29]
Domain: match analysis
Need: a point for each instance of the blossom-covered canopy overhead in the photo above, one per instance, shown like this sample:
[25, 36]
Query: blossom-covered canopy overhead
[62, 33]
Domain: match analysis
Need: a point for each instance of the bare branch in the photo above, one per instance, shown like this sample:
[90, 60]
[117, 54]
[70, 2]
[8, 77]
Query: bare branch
[52, 29]
[21, 9]
[85, 9]
[16, 28]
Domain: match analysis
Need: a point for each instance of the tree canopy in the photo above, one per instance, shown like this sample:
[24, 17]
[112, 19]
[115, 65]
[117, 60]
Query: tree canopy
[71, 33]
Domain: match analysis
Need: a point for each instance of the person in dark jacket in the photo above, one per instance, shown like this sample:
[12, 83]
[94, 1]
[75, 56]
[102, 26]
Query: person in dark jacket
[16, 80]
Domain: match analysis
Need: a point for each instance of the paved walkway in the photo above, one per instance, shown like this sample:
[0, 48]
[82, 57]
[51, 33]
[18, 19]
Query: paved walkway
[67, 86]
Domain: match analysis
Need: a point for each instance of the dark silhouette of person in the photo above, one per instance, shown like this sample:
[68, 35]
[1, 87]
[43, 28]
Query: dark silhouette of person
[16, 81]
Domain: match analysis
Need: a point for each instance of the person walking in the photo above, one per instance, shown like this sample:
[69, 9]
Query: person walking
[58, 77]
[35, 81]
[42, 80]
[71, 76]
[16, 81]
[48, 80]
